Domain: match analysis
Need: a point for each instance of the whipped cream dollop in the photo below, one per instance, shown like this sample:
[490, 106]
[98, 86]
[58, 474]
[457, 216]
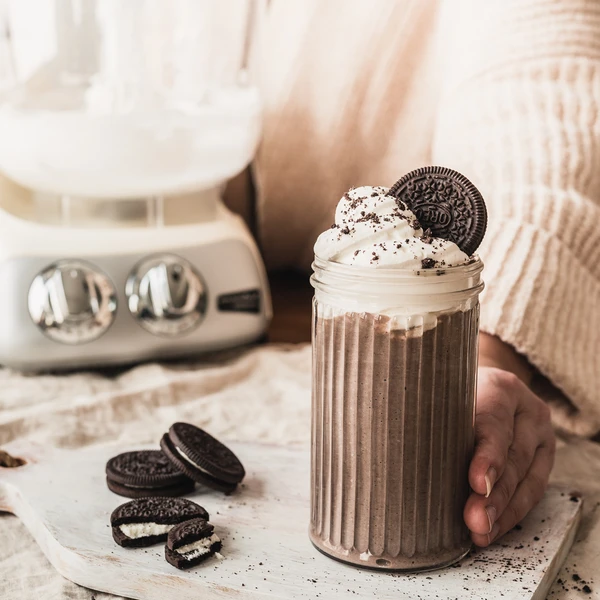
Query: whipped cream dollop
[373, 229]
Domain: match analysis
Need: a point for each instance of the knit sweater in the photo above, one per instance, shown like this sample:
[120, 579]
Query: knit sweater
[358, 92]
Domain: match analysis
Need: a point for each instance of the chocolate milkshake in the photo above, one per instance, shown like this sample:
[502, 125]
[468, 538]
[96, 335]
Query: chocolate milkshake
[394, 369]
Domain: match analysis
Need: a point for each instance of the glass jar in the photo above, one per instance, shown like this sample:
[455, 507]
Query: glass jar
[393, 407]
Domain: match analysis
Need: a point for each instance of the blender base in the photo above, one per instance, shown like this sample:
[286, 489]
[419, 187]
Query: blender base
[221, 250]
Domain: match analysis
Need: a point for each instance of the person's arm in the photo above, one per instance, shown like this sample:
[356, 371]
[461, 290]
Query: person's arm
[519, 117]
[493, 352]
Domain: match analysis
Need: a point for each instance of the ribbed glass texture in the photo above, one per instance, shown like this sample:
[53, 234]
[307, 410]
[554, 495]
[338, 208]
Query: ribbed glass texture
[392, 434]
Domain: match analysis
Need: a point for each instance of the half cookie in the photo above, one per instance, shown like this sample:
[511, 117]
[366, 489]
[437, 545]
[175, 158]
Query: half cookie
[145, 473]
[191, 543]
[202, 457]
[148, 521]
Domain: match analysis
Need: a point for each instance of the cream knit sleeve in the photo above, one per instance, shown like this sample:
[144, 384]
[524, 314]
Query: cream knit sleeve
[521, 117]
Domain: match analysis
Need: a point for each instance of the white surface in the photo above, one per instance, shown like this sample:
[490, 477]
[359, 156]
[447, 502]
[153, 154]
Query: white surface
[262, 394]
[62, 498]
[392, 242]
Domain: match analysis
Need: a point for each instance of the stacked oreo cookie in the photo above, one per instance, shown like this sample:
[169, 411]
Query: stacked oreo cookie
[189, 455]
[144, 473]
[153, 478]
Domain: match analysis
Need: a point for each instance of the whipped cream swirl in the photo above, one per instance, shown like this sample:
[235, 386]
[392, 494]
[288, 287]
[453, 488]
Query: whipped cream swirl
[373, 229]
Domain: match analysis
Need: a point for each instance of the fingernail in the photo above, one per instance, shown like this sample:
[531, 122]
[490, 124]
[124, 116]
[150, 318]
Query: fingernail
[490, 480]
[490, 511]
[492, 535]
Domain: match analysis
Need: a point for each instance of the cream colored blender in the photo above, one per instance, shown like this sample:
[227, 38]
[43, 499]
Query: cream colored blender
[120, 123]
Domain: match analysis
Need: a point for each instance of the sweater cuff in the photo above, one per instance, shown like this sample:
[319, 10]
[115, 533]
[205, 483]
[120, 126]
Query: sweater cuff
[535, 287]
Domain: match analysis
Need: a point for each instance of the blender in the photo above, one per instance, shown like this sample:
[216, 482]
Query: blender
[120, 123]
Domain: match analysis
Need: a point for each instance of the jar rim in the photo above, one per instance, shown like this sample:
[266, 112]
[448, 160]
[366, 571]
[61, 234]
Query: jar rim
[472, 267]
[369, 289]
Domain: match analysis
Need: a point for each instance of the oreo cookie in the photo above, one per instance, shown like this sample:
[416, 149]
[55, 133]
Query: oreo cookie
[147, 521]
[445, 202]
[191, 543]
[145, 473]
[202, 457]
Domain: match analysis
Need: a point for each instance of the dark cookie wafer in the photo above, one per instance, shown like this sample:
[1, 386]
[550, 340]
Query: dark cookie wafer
[145, 473]
[191, 543]
[143, 468]
[179, 489]
[190, 470]
[446, 202]
[212, 456]
[158, 511]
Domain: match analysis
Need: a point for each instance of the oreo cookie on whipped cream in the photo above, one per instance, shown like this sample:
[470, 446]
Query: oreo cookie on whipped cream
[431, 218]
[446, 203]
[147, 521]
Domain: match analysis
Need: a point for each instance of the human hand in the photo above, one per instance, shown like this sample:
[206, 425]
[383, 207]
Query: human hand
[514, 446]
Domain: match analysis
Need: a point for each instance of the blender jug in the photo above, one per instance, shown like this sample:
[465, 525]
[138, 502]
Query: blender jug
[121, 123]
[117, 100]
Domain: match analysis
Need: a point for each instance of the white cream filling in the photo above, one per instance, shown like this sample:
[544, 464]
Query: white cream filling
[198, 548]
[139, 530]
[189, 460]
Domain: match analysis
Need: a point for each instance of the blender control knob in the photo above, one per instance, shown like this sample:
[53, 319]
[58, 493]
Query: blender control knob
[72, 302]
[166, 295]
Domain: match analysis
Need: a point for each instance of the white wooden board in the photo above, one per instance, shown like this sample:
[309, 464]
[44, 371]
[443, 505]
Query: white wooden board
[62, 498]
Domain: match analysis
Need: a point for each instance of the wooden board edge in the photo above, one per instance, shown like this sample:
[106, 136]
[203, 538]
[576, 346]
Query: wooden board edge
[557, 562]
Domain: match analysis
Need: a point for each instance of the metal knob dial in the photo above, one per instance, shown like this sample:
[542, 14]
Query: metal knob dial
[166, 295]
[71, 302]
